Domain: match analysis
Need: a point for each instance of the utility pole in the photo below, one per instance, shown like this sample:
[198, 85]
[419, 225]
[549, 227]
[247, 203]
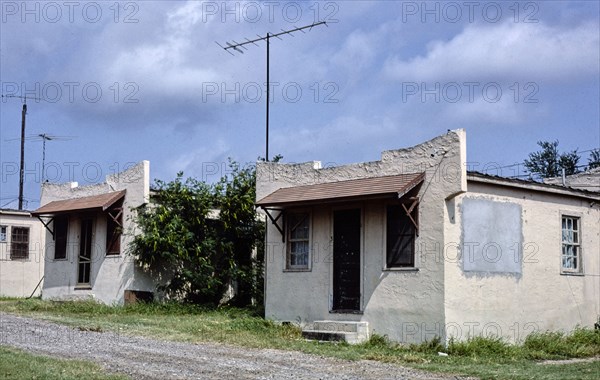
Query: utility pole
[22, 166]
[236, 46]
[268, 98]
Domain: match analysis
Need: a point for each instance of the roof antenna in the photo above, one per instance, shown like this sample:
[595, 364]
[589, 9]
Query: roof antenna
[45, 137]
[238, 46]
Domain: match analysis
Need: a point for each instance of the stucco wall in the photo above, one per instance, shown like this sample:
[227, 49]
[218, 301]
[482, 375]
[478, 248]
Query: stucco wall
[405, 305]
[110, 275]
[19, 277]
[540, 298]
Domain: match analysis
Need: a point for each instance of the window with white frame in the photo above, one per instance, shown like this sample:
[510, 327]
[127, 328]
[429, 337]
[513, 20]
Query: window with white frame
[3, 234]
[571, 244]
[298, 234]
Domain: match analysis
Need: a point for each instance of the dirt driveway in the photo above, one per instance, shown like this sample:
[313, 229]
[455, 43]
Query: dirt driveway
[143, 358]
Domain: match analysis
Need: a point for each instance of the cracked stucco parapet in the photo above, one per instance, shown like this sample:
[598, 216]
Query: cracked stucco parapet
[441, 158]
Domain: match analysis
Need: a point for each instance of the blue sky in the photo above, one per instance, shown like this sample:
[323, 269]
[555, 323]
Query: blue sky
[145, 80]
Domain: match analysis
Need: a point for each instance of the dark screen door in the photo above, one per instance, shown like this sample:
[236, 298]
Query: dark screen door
[85, 252]
[346, 260]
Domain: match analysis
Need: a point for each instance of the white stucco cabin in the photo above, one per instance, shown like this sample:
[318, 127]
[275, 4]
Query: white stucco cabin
[415, 247]
[88, 229]
[22, 241]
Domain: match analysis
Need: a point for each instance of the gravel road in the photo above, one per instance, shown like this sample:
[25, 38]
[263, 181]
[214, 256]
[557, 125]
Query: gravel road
[143, 358]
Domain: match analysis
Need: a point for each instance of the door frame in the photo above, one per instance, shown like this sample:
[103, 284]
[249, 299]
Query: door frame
[352, 206]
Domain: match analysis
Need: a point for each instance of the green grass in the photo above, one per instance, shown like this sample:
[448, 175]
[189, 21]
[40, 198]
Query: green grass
[17, 364]
[5, 298]
[487, 358]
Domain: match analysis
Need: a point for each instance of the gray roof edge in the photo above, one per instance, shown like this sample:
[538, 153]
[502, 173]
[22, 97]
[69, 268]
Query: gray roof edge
[532, 185]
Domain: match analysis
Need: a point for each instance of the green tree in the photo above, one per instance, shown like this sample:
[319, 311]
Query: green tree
[200, 238]
[176, 241]
[548, 162]
[569, 161]
[594, 160]
[242, 231]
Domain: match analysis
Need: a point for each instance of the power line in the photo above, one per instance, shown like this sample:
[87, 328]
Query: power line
[518, 164]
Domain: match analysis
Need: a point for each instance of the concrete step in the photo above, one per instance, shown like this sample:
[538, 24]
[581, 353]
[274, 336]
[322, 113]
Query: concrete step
[338, 331]
[342, 326]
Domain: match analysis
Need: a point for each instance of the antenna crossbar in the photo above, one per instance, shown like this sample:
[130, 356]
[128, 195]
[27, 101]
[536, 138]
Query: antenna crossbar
[236, 45]
[24, 98]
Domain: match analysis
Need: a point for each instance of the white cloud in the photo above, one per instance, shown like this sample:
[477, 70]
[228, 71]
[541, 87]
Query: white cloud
[193, 163]
[484, 113]
[185, 18]
[357, 133]
[356, 53]
[508, 51]
[165, 65]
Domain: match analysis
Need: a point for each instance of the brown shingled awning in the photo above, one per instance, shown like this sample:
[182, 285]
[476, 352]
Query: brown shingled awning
[356, 189]
[100, 202]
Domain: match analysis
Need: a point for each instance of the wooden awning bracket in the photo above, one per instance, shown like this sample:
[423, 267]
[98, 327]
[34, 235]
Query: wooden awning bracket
[116, 218]
[118, 221]
[275, 220]
[47, 225]
[409, 210]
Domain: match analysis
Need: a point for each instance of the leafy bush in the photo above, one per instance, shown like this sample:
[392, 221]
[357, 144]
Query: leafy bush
[195, 252]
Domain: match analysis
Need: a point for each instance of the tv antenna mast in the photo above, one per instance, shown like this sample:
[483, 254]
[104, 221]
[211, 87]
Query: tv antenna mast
[238, 46]
[22, 167]
[43, 137]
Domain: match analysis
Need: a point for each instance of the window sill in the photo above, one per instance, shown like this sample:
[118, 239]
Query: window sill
[83, 287]
[292, 270]
[579, 274]
[400, 269]
[352, 312]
